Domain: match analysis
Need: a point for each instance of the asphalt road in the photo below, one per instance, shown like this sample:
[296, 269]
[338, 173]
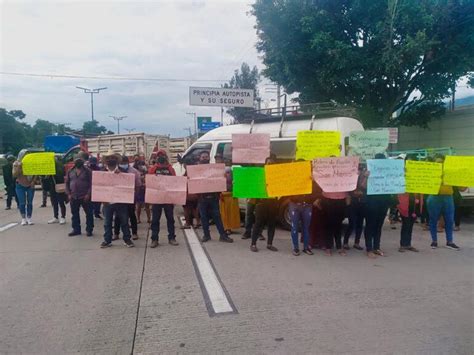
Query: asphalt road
[62, 295]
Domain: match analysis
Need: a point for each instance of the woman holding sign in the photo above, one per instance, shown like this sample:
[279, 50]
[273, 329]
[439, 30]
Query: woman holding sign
[25, 191]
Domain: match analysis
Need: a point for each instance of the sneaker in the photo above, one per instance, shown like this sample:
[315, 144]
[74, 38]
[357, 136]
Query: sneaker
[53, 221]
[173, 242]
[135, 236]
[24, 222]
[105, 245]
[253, 248]
[89, 234]
[402, 249]
[434, 245]
[73, 234]
[308, 251]
[128, 243]
[296, 252]
[29, 221]
[410, 248]
[452, 246]
[62, 220]
[226, 239]
[154, 244]
[357, 247]
[8, 208]
[245, 236]
[272, 248]
[205, 239]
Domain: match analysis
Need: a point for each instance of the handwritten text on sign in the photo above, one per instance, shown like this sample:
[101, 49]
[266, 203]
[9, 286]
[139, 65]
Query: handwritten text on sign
[459, 171]
[204, 178]
[251, 148]
[163, 189]
[423, 177]
[113, 188]
[366, 144]
[38, 164]
[336, 174]
[317, 144]
[288, 179]
[387, 176]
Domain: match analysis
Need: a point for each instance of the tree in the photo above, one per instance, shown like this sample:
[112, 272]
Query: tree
[93, 128]
[14, 134]
[43, 128]
[379, 56]
[246, 78]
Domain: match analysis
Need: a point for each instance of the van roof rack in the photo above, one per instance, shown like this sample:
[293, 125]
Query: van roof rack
[298, 112]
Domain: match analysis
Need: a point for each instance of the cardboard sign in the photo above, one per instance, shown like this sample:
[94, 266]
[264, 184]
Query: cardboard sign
[205, 178]
[164, 189]
[249, 182]
[288, 179]
[113, 188]
[423, 177]
[251, 148]
[387, 176]
[366, 144]
[39, 164]
[317, 144]
[459, 171]
[336, 174]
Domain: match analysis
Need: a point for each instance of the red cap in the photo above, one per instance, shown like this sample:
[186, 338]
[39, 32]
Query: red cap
[161, 152]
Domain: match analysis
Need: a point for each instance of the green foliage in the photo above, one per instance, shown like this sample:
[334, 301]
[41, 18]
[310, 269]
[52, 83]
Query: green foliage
[14, 134]
[382, 57]
[93, 128]
[246, 78]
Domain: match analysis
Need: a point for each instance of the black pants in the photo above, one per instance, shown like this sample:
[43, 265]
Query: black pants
[156, 212]
[333, 213]
[406, 232]
[266, 212]
[130, 215]
[249, 218]
[120, 211]
[356, 221]
[58, 200]
[76, 219]
[10, 195]
[377, 208]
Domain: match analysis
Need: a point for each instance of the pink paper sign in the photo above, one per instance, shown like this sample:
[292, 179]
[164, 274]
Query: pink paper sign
[112, 187]
[336, 174]
[165, 189]
[206, 178]
[251, 148]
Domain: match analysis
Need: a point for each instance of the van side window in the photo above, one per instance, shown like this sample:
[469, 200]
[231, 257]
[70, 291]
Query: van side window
[193, 155]
[285, 150]
[226, 150]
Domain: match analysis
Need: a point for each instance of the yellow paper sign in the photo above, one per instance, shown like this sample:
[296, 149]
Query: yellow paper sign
[423, 177]
[288, 179]
[459, 171]
[317, 144]
[39, 164]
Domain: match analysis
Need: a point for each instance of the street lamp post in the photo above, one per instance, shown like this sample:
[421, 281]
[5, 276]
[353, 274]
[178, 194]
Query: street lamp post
[195, 122]
[92, 92]
[118, 119]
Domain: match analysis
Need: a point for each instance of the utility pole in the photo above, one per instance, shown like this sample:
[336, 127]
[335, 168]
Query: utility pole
[118, 119]
[92, 92]
[195, 122]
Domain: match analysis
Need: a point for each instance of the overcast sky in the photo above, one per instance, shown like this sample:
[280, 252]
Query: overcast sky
[151, 39]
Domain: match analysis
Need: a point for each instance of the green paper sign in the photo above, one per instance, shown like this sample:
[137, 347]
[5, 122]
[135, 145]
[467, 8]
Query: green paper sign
[249, 182]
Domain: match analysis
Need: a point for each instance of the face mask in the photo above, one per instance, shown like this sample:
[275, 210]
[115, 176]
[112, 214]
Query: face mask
[123, 166]
[161, 160]
[111, 167]
[79, 163]
[204, 161]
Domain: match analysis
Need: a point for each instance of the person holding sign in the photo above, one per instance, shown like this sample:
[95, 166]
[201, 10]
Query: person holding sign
[208, 204]
[228, 205]
[162, 167]
[25, 191]
[57, 194]
[442, 204]
[78, 189]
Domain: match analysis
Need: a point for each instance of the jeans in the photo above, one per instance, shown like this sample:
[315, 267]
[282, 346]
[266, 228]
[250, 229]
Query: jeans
[209, 208]
[437, 205]
[406, 232]
[300, 214]
[121, 211]
[376, 207]
[96, 208]
[356, 221]
[156, 211]
[130, 215]
[25, 199]
[76, 219]
[58, 200]
[249, 218]
[266, 212]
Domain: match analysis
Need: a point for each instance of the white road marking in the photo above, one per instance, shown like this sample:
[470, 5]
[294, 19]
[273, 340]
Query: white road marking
[8, 226]
[214, 289]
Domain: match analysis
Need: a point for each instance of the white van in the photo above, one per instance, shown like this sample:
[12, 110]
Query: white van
[282, 141]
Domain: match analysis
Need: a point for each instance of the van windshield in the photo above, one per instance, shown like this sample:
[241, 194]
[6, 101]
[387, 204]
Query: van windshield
[192, 155]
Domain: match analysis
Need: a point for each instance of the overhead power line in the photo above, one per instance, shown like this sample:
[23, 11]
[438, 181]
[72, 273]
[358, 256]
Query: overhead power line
[63, 76]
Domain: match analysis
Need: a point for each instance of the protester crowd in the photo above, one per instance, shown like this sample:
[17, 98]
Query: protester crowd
[316, 218]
